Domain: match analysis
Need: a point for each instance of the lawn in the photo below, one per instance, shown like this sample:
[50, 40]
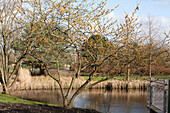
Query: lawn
[116, 78]
[130, 78]
[12, 104]
[95, 79]
[13, 99]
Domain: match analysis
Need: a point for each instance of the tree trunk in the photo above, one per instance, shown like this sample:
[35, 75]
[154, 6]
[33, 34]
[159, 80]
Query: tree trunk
[2, 80]
[41, 69]
[65, 103]
[128, 73]
[4, 89]
[150, 69]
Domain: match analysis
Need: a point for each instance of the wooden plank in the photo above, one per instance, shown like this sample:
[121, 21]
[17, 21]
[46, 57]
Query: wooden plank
[154, 109]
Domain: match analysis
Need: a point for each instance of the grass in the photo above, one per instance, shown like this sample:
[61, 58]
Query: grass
[132, 78]
[135, 77]
[13, 99]
[117, 78]
[95, 79]
[162, 77]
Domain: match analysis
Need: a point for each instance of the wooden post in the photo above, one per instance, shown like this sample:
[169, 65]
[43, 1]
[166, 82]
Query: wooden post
[169, 96]
[150, 98]
[164, 99]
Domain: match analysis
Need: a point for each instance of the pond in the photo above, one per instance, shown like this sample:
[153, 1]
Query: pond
[115, 101]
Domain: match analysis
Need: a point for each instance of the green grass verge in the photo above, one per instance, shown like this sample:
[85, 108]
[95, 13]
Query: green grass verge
[162, 77]
[95, 79]
[117, 78]
[13, 99]
[130, 78]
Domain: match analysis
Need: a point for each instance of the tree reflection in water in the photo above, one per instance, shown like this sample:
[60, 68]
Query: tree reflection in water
[117, 101]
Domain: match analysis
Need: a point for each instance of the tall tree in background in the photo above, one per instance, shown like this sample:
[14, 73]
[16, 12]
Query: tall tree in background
[10, 32]
[95, 48]
[131, 42]
[16, 19]
[157, 44]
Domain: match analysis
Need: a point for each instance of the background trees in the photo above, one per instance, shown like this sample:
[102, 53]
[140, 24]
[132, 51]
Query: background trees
[10, 32]
[156, 46]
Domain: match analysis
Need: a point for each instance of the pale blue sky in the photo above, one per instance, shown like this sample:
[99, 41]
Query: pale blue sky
[158, 9]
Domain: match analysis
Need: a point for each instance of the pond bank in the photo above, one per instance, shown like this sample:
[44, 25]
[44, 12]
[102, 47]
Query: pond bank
[12, 104]
[34, 108]
[28, 82]
[45, 82]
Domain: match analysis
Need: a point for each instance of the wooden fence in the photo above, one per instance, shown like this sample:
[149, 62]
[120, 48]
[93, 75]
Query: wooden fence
[158, 96]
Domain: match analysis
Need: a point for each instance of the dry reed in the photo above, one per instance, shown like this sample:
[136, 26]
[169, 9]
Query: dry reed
[28, 82]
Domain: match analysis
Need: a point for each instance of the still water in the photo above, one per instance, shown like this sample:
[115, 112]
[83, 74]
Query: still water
[115, 101]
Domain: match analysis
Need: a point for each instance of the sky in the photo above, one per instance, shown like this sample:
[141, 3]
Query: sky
[156, 9]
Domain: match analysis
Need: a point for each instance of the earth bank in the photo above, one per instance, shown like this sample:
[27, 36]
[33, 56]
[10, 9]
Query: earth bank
[34, 108]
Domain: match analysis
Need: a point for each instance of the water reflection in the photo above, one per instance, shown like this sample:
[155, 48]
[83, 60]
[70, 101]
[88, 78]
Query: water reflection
[116, 101]
[46, 96]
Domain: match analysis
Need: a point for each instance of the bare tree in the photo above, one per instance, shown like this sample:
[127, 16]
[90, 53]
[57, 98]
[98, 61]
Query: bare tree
[14, 19]
[10, 28]
[157, 43]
